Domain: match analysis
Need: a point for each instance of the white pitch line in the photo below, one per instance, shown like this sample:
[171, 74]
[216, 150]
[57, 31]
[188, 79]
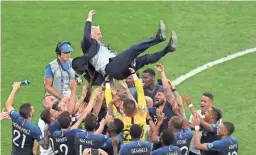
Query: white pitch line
[199, 69]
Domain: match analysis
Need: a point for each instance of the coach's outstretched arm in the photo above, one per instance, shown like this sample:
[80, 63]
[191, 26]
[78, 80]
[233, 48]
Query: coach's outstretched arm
[86, 42]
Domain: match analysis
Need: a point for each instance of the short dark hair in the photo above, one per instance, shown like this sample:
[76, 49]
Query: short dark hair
[209, 95]
[150, 71]
[177, 122]
[46, 116]
[64, 120]
[135, 131]
[167, 137]
[119, 125]
[25, 110]
[230, 127]
[129, 106]
[90, 122]
[217, 113]
[160, 90]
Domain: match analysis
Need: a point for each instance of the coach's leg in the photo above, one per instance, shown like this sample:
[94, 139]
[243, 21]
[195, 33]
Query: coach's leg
[122, 61]
[153, 58]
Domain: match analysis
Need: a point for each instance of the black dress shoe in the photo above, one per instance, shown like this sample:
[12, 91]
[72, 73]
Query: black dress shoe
[161, 30]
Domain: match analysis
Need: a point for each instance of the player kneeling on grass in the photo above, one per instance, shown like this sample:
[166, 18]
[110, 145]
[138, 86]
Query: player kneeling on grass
[23, 130]
[227, 145]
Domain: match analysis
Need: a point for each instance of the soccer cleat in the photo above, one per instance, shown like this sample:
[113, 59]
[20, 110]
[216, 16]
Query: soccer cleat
[161, 30]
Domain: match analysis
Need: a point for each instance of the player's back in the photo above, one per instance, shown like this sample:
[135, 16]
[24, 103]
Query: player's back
[167, 150]
[86, 139]
[136, 147]
[182, 140]
[225, 146]
[24, 133]
[63, 142]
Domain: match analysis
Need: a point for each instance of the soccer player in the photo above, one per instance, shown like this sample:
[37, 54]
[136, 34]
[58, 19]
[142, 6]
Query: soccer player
[166, 138]
[135, 113]
[63, 141]
[209, 124]
[227, 145]
[88, 139]
[182, 136]
[136, 146]
[23, 130]
[115, 129]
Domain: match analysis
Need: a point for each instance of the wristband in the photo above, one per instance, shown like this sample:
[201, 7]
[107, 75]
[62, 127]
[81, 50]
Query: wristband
[108, 85]
[197, 128]
[191, 105]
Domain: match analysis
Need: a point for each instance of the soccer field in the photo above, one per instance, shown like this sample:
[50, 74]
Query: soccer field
[206, 31]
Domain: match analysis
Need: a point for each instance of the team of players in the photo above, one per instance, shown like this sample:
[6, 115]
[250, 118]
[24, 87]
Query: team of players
[124, 128]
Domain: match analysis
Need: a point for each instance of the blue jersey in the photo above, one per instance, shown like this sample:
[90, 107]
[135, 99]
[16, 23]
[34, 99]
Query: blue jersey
[167, 112]
[24, 133]
[62, 142]
[208, 137]
[136, 147]
[167, 150]
[182, 140]
[88, 140]
[226, 146]
[108, 145]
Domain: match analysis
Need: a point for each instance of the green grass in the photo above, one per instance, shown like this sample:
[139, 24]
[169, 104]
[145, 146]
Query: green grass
[206, 31]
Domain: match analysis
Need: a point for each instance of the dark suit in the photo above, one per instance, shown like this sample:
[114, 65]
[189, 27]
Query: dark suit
[118, 67]
[90, 48]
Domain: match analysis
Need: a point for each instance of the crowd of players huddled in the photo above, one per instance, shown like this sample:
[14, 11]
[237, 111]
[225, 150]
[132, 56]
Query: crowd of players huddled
[129, 117]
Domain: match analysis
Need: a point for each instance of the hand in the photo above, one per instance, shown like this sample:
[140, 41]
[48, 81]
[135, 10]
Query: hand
[4, 115]
[16, 86]
[73, 85]
[132, 70]
[123, 84]
[109, 118]
[87, 151]
[160, 115]
[107, 78]
[103, 121]
[187, 99]
[102, 152]
[159, 67]
[91, 13]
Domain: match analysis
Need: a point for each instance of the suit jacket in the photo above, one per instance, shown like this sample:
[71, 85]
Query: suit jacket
[90, 48]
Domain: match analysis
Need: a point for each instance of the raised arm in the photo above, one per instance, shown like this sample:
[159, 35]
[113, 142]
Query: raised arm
[198, 144]
[87, 30]
[123, 84]
[167, 89]
[8, 104]
[187, 100]
[139, 88]
[72, 103]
